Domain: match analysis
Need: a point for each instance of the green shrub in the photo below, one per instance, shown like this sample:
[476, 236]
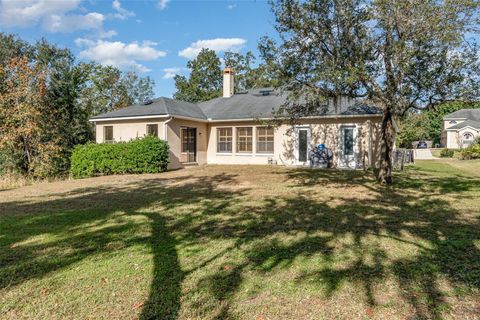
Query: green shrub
[446, 153]
[472, 152]
[145, 155]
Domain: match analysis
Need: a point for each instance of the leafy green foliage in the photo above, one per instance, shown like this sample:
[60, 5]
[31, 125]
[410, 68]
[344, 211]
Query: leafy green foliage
[247, 76]
[447, 153]
[471, 152]
[46, 99]
[105, 88]
[205, 81]
[145, 155]
[413, 128]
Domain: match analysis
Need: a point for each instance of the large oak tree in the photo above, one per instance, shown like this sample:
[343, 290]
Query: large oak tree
[398, 54]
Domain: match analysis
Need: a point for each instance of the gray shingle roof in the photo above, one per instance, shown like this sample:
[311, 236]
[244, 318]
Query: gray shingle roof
[160, 106]
[472, 114]
[466, 123]
[249, 105]
[254, 104]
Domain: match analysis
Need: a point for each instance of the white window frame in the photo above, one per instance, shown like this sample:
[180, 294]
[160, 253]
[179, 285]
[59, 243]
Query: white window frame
[341, 157]
[217, 140]
[257, 140]
[253, 141]
[104, 135]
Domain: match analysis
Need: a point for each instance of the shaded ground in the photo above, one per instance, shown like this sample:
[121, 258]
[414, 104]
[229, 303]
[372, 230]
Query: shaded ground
[248, 242]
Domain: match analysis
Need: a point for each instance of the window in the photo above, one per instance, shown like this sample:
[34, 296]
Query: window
[347, 141]
[467, 139]
[302, 144]
[224, 140]
[244, 139]
[264, 140]
[184, 138]
[152, 130]
[108, 134]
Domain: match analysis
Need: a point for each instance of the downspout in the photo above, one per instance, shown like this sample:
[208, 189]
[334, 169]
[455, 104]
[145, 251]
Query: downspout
[165, 129]
[370, 152]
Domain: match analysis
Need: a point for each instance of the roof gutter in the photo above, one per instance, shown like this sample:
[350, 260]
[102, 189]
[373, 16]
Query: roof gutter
[130, 118]
[458, 129]
[190, 119]
[210, 120]
[309, 117]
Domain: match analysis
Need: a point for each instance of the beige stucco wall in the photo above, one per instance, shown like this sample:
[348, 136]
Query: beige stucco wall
[125, 130]
[325, 131]
[454, 138]
[174, 141]
[241, 158]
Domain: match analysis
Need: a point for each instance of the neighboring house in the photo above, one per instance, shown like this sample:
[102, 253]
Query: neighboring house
[461, 128]
[233, 129]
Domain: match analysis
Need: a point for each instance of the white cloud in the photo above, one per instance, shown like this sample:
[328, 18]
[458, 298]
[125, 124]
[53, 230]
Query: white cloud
[106, 34]
[52, 15]
[231, 6]
[218, 45]
[170, 73]
[64, 23]
[162, 4]
[121, 13]
[119, 54]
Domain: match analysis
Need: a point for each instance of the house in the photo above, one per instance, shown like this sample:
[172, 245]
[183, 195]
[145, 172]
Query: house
[234, 129]
[460, 128]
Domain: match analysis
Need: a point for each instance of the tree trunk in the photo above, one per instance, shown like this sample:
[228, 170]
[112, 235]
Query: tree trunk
[388, 136]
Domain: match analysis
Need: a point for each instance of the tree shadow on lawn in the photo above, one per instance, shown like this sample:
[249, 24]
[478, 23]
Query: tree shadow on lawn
[91, 221]
[413, 213]
[271, 234]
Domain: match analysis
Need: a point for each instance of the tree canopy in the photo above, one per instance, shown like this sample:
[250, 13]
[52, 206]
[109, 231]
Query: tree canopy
[205, 79]
[397, 54]
[46, 99]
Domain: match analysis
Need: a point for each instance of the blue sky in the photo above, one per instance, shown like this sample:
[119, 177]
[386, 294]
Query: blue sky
[155, 38]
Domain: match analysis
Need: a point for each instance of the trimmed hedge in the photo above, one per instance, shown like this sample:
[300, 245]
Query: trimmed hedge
[144, 155]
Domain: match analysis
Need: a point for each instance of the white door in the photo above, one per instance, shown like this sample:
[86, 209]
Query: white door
[348, 142]
[302, 145]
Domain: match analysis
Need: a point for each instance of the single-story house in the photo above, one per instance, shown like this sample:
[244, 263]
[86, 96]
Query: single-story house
[235, 129]
[461, 128]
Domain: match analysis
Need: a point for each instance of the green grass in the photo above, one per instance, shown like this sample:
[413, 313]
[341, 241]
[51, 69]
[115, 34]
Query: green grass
[248, 242]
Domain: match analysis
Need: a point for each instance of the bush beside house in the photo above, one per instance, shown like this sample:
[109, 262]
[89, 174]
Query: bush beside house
[447, 153]
[144, 155]
[470, 153]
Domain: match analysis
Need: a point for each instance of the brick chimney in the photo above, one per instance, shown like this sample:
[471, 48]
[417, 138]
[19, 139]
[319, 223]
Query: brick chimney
[228, 82]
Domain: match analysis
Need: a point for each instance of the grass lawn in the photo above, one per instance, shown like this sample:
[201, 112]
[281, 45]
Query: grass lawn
[247, 242]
